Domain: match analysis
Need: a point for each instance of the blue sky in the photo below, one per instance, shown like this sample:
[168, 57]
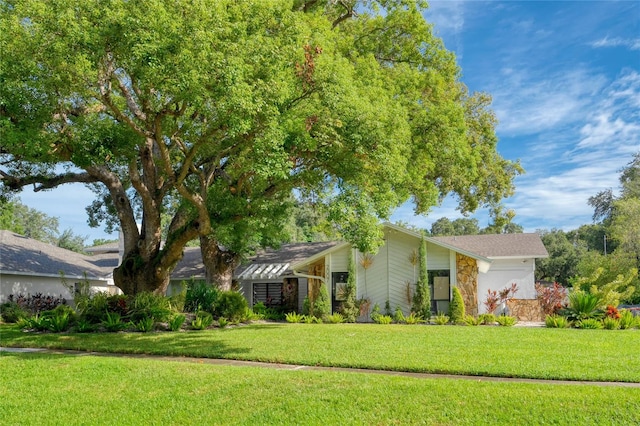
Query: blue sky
[565, 81]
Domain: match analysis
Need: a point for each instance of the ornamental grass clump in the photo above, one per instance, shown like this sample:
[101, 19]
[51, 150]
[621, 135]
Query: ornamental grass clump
[627, 320]
[610, 323]
[556, 321]
[589, 323]
[506, 321]
[293, 317]
[383, 319]
[441, 319]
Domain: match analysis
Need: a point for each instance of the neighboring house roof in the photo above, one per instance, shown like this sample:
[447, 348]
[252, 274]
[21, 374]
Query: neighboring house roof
[498, 246]
[103, 248]
[25, 256]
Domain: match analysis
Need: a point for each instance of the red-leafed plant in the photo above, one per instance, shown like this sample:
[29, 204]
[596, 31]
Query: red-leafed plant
[495, 298]
[612, 312]
[551, 298]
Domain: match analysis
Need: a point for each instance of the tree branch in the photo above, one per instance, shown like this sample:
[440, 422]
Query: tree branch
[43, 182]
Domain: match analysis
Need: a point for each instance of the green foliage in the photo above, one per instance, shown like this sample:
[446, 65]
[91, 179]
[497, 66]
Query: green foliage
[146, 305]
[556, 321]
[551, 298]
[306, 306]
[506, 321]
[441, 319]
[471, 320]
[398, 316]
[335, 318]
[589, 323]
[293, 317]
[610, 290]
[387, 308]
[322, 304]
[627, 320]
[564, 256]
[223, 322]
[144, 324]
[375, 312]
[414, 319]
[113, 322]
[176, 321]
[610, 323]
[422, 297]
[200, 296]
[349, 306]
[84, 326]
[202, 320]
[487, 319]
[310, 319]
[583, 305]
[456, 307]
[178, 300]
[231, 305]
[11, 312]
[382, 319]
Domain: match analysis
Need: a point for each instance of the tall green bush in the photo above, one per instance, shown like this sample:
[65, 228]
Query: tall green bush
[456, 307]
[422, 298]
[200, 296]
[231, 305]
[322, 304]
[349, 306]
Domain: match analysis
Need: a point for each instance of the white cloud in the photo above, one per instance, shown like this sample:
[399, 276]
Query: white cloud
[632, 44]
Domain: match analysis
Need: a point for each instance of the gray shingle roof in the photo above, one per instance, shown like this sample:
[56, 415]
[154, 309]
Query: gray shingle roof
[498, 245]
[24, 255]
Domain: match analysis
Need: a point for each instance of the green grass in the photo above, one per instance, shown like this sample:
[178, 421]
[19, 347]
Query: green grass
[600, 355]
[64, 389]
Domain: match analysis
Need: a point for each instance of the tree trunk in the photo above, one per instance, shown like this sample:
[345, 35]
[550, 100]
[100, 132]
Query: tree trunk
[134, 275]
[219, 263]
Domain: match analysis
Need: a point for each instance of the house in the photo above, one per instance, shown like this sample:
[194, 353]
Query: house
[475, 264]
[284, 277]
[29, 266]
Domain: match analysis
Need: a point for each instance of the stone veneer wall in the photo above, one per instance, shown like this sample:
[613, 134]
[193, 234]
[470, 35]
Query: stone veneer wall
[467, 278]
[526, 309]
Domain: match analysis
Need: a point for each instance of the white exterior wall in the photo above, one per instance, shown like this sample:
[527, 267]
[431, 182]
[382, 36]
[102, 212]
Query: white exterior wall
[502, 274]
[49, 286]
[437, 258]
[401, 271]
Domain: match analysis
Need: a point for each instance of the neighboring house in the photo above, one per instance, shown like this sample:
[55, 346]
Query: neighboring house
[284, 277]
[28, 266]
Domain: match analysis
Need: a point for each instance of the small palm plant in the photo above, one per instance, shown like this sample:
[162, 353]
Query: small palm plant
[583, 305]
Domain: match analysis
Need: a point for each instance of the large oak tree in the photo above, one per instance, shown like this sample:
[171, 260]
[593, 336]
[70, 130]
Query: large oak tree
[224, 108]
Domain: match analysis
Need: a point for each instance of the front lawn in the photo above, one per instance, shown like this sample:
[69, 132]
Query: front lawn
[67, 389]
[596, 355]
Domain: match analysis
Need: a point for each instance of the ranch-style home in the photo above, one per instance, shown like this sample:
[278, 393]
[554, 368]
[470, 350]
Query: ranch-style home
[284, 277]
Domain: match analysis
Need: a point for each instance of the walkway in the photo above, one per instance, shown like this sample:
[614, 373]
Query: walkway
[292, 367]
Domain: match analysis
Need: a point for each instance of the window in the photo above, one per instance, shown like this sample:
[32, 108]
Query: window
[268, 293]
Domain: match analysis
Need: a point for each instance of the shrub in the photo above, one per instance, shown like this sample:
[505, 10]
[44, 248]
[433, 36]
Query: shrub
[335, 318]
[456, 307]
[177, 301]
[398, 316]
[176, 321]
[383, 319]
[260, 309]
[495, 298]
[293, 317]
[506, 321]
[37, 322]
[487, 319]
[202, 320]
[231, 305]
[471, 320]
[556, 321]
[38, 302]
[113, 322]
[223, 322]
[322, 304]
[414, 319]
[441, 319]
[200, 296]
[627, 320]
[375, 312]
[610, 323]
[551, 298]
[583, 305]
[11, 312]
[145, 324]
[96, 308]
[589, 323]
[147, 305]
[612, 312]
[59, 319]
[422, 298]
[387, 308]
[306, 306]
[84, 326]
[349, 306]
